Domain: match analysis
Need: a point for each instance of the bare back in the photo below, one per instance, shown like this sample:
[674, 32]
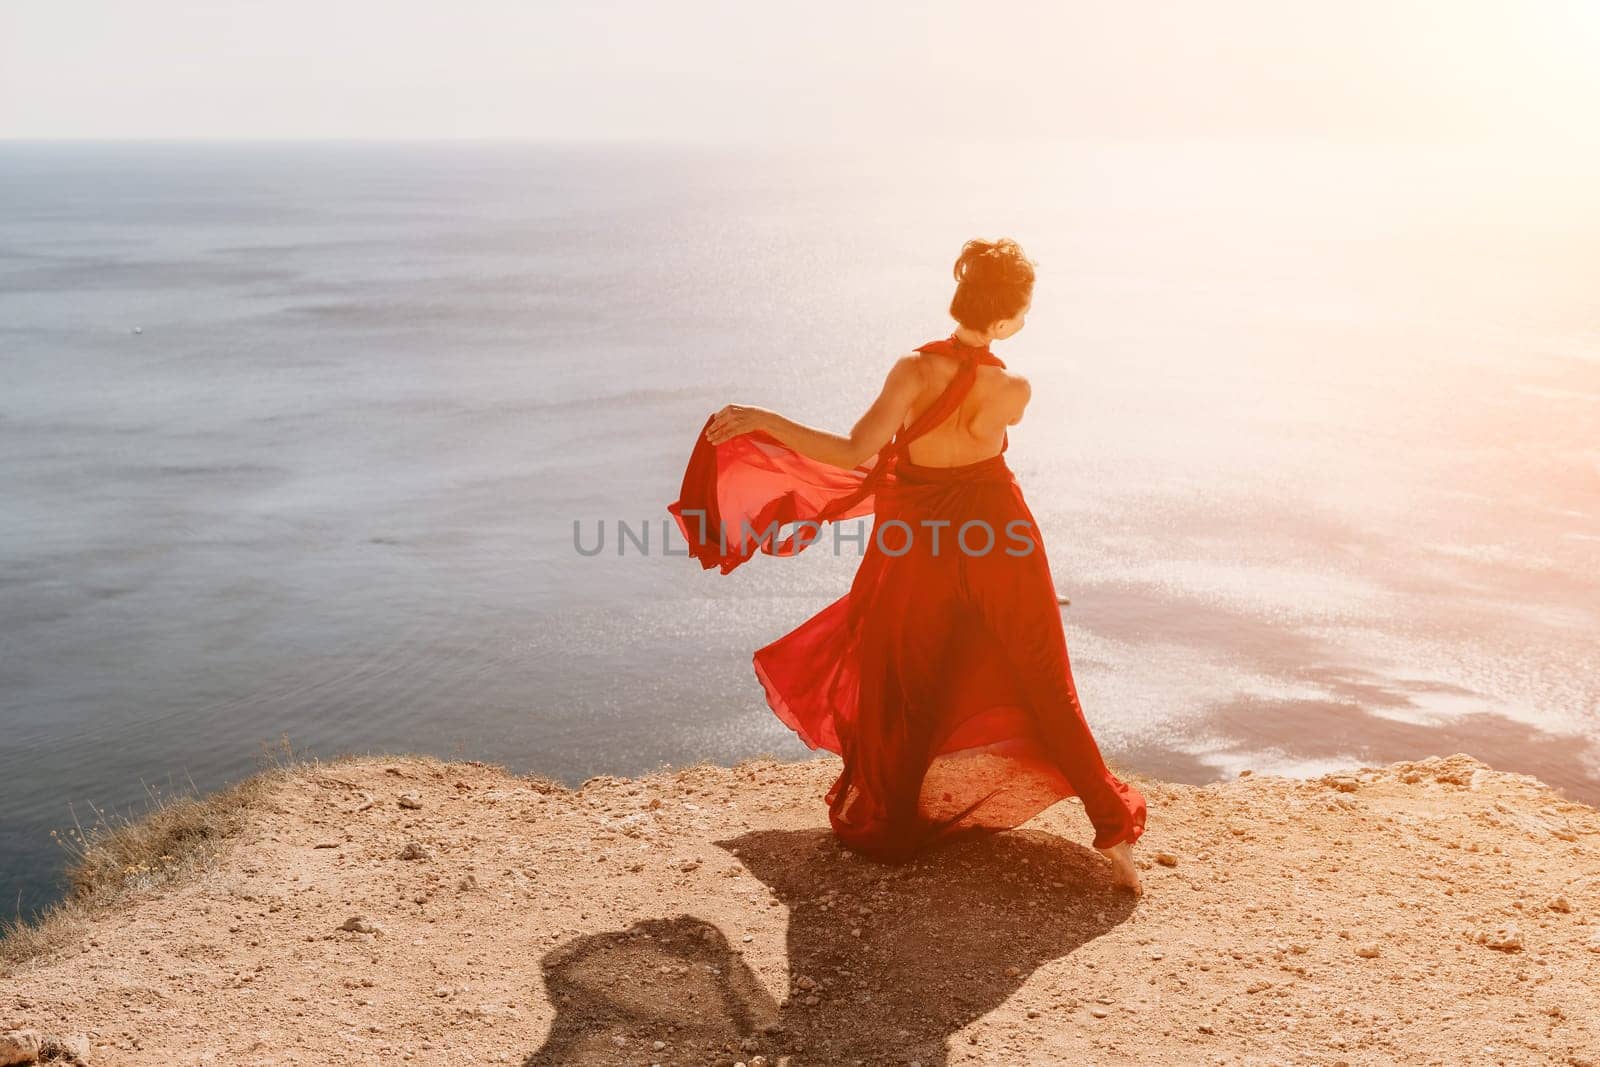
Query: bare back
[976, 430]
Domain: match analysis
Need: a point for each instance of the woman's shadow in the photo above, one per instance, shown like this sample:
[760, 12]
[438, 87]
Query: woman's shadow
[942, 940]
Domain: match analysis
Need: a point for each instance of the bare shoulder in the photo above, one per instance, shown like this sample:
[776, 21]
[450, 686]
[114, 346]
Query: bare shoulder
[910, 362]
[906, 378]
[1010, 385]
[1017, 391]
[999, 377]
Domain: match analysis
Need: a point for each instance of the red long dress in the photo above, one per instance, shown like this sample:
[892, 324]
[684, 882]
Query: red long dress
[942, 677]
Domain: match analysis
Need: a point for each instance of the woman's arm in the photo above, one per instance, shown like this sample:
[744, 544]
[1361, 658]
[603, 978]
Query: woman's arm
[870, 433]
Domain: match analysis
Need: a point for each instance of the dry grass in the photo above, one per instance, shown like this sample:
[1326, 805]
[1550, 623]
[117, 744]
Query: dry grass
[119, 855]
[177, 835]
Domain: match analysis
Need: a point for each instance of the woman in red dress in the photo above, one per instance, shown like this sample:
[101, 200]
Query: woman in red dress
[942, 677]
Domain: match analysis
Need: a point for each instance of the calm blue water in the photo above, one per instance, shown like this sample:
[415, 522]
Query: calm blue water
[293, 438]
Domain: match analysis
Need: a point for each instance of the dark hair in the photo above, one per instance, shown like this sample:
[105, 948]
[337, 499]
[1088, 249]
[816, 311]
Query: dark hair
[994, 280]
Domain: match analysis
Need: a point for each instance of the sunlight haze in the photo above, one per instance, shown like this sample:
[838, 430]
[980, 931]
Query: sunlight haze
[726, 72]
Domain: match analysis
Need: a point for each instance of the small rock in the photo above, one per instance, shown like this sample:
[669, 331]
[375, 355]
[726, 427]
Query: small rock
[1166, 859]
[1561, 904]
[1258, 986]
[1344, 783]
[411, 801]
[19, 1046]
[1505, 938]
[1206, 1028]
[1098, 1013]
[1013, 971]
[359, 924]
[1368, 951]
[413, 851]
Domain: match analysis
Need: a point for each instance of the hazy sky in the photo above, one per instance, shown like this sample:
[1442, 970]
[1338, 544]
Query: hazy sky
[751, 71]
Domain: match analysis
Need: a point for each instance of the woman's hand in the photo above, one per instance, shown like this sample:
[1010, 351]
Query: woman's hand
[736, 419]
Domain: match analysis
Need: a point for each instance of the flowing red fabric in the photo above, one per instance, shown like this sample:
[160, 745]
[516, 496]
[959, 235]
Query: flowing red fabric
[942, 678]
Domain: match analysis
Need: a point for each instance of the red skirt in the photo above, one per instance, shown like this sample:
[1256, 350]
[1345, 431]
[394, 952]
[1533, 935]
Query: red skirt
[942, 678]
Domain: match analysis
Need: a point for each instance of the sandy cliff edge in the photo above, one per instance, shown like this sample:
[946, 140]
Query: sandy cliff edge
[1430, 912]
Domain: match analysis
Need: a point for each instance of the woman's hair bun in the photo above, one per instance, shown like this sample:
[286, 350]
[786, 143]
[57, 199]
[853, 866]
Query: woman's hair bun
[994, 280]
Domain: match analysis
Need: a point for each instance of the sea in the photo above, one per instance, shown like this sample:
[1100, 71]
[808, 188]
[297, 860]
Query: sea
[307, 446]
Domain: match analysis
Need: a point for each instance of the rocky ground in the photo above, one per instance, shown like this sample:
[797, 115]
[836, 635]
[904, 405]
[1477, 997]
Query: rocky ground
[388, 910]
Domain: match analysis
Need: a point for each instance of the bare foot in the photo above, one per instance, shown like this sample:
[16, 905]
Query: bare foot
[1123, 872]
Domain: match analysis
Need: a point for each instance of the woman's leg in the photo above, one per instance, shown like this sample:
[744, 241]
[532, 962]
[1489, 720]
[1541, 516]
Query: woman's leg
[1015, 596]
